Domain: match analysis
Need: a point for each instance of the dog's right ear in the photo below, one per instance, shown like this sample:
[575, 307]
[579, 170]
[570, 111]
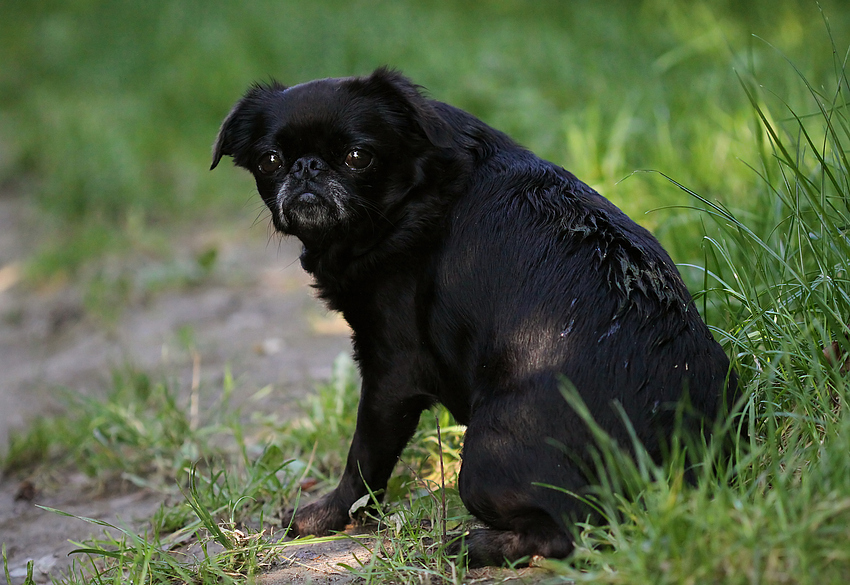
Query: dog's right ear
[239, 129]
[391, 83]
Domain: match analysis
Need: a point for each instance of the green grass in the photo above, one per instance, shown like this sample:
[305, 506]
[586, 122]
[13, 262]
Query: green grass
[108, 109]
[781, 513]
[225, 489]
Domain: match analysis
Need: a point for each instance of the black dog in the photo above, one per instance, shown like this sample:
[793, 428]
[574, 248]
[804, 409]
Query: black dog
[477, 275]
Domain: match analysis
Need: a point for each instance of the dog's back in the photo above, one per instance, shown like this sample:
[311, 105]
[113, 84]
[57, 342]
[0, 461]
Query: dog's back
[540, 277]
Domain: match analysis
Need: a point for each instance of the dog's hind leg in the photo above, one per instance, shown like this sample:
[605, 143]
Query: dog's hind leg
[508, 466]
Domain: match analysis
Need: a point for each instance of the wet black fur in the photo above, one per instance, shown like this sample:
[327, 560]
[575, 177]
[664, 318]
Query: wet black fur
[475, 274]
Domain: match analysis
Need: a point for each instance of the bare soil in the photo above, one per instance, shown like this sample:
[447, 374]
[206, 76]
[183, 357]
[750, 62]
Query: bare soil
[255, 315]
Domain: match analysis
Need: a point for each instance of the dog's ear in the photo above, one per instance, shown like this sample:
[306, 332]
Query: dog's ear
[420, 109]
[237, 131]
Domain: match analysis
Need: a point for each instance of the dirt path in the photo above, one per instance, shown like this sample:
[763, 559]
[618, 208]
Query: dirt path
[255, 314]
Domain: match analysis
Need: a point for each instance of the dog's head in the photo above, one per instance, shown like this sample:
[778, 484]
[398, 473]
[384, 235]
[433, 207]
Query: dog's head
[334, 156]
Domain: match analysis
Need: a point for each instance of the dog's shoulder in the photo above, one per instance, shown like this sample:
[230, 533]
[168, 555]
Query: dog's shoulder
[538, 196]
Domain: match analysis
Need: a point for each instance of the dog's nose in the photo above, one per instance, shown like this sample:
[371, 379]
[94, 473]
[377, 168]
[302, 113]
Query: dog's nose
[307, 167]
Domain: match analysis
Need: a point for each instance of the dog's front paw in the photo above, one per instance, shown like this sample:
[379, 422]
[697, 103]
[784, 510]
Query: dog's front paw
[320, 518]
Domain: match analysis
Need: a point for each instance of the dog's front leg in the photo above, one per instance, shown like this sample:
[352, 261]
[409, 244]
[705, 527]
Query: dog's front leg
[385, 423]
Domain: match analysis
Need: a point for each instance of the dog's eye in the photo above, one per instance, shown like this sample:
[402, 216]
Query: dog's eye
[269, 163]
[358, 159]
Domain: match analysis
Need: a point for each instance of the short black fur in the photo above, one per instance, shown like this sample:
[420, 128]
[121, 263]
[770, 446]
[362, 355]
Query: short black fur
[474, 274]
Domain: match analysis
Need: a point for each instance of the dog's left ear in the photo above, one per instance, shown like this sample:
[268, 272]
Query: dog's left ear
[417, 106]
[237, 131]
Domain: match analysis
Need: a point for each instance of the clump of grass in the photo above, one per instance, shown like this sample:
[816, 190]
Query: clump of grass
[141, 431]
[780, 513]
[220, 552]
[411, 541]
[28, 580]
[45, 439]
[138, 429]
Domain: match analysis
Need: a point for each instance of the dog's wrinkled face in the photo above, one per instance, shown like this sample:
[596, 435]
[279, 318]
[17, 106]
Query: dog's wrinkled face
[334, 156]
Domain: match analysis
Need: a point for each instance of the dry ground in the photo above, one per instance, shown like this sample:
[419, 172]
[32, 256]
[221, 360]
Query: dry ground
[256, 314]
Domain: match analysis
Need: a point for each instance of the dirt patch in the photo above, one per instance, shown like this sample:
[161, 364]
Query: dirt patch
[256, 315]
[323, 566]
[31, 533]
[317, 564]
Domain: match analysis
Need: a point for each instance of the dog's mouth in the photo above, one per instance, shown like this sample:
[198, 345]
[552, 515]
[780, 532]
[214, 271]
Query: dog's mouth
[309, 211]
[308, 198]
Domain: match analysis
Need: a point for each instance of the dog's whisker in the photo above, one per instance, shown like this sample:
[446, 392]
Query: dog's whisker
[260, 215]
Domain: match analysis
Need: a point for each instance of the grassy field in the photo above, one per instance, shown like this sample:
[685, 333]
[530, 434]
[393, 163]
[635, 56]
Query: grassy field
[107, 111]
